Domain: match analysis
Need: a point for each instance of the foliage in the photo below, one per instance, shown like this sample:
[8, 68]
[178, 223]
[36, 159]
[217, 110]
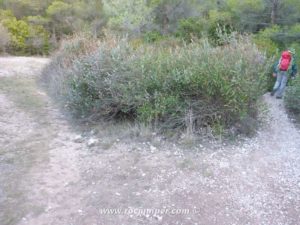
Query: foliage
[128, 15]
[70, 50]
[61, 16]
[19, 31]
[195, 84]
[292, 97]
[6, 14]
[152, 36]
[38, 41]
[265, 40]
[139, 18]
[48, 21]
[296, 46]
[26, 38]
[190, 28]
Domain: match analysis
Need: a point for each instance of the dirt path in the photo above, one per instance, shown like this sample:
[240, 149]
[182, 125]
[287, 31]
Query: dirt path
[50, 175]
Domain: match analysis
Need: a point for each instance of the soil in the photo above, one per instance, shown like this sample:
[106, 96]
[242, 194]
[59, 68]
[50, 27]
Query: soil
[52, 173]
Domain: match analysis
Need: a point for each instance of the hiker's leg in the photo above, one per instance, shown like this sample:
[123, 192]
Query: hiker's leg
[277, 83]
[283, 83]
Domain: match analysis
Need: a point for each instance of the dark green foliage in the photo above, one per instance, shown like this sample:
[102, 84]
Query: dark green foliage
[152, 36]
[190, 28]
[292, 97]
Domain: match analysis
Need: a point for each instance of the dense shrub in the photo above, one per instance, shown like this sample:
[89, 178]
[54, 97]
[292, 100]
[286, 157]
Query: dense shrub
[152, 36]
[19, 31]
[37, 42]
[296, 46]
[265, 41]
[292, 97]
[190, 28]
[58, 72]
[194, 85]
[26, 38]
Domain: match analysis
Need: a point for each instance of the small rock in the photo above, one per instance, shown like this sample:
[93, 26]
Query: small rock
[92, 142]
[78, 139]
[158, 217]
[93, 132]
[224, 165]
[152, 148]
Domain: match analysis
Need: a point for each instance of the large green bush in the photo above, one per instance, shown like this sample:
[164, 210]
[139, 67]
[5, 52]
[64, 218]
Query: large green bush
[192, 85]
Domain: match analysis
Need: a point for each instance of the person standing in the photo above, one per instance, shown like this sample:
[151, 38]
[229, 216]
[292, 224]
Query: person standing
[285, 67]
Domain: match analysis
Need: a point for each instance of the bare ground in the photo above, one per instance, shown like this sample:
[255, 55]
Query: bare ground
[50, 175]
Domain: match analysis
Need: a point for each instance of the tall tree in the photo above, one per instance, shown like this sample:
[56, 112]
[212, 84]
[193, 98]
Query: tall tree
[274, 10]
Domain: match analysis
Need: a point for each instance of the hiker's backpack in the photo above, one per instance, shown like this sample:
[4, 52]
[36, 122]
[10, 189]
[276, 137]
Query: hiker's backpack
[285, 61]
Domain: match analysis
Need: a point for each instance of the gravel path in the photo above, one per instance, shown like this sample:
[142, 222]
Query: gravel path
[52, 174]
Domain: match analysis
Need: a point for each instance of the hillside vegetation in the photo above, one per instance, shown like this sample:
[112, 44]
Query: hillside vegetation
[36, 27]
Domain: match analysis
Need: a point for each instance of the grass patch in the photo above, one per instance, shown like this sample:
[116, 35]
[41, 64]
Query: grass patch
[23, 92]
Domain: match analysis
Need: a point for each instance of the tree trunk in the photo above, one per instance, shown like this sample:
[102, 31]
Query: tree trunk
[165, 20]
[165, 24]
[274, 12]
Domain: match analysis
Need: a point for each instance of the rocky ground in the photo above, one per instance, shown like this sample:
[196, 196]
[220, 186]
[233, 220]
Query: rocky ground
[52, 173]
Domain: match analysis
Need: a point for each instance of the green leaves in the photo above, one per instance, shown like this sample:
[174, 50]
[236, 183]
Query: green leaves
[127, 14]
[292, 98]
[25, 37]
[58, 9]
[160, 85]
[19, 31]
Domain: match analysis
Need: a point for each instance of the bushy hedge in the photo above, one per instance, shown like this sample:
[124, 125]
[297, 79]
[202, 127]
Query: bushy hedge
[192, 85]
